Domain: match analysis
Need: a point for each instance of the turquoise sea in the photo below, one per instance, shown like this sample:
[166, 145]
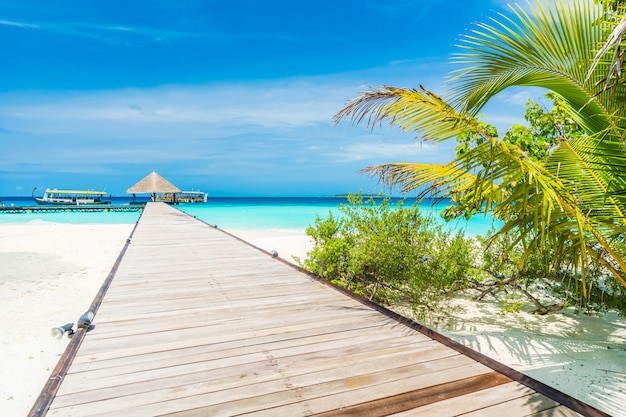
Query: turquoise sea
[253, 213]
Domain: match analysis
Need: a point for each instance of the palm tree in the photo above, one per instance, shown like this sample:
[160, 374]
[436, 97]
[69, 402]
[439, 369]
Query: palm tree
[575, 199]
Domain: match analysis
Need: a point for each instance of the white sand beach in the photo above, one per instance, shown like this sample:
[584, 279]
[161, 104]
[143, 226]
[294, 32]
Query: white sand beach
[287, 244]
[51, 273]
[580, 355]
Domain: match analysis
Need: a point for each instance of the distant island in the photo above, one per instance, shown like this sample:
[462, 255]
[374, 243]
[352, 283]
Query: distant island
[363, 195]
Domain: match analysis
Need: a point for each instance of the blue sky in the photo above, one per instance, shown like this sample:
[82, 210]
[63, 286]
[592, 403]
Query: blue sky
[234, 97]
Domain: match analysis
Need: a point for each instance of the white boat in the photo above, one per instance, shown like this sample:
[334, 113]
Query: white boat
[71, 197]
[183, 197]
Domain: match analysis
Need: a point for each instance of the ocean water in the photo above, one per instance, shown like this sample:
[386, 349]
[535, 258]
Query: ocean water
[232, 213]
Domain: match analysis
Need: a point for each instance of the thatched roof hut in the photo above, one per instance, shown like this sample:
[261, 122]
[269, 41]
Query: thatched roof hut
[153, 184]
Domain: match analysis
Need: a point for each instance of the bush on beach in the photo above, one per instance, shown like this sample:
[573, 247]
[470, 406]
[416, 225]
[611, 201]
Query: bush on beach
[390, 255]
[397, 257]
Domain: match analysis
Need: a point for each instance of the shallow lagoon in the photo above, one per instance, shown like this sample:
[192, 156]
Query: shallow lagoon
[251, 213]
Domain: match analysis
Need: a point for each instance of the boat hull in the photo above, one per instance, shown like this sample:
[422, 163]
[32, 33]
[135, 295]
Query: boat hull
[44, 202]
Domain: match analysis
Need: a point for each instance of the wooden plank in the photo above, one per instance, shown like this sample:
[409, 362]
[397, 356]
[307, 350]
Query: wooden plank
[168, 320]
[202, 400]
[83, 381]
[469, 402]
[213, 333]
[321, 361]
[237, 337]
[345, 330]
[523, 406]
[420, 397]
[305, 350]
[268, 373]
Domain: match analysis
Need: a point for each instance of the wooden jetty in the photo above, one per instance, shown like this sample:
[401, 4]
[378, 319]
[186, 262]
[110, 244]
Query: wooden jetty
[68, 208]
[195, 322]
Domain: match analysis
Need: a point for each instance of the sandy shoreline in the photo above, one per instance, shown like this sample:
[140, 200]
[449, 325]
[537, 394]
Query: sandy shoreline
[582, 356]
[50, 275]
[51, 272]
[286, 244]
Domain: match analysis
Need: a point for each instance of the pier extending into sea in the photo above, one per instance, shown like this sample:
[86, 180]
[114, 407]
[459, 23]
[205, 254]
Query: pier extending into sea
[68, 208]
[193, 321]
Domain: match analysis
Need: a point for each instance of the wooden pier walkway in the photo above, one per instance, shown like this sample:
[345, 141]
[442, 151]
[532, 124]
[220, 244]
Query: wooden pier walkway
[67, 208]
[195, 322]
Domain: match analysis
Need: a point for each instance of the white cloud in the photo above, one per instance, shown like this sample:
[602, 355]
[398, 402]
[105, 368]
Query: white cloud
[19, 24]
[387, 151]
[282, 104]
[280, 123]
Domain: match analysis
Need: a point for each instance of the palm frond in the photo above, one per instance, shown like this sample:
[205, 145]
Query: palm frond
[545, 205]
[419, 111]
[434, 180]
[546, 47]
[613, 42]
[594, 170]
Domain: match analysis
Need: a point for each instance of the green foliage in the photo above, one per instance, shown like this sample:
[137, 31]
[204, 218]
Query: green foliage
[394, 256]
[515, 275]
[547, 128]
[513, 303]
[558, 183]
[391, 255]
[612, 4]
[469, 139]
[604, 293]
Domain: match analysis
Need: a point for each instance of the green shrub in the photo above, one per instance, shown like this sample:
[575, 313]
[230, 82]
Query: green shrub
[391, 255]
[395, 256]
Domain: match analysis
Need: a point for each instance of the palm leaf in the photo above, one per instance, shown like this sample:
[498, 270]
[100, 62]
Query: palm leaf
[613, 42]
[594, 171]
[548, 48]
[420, 111]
